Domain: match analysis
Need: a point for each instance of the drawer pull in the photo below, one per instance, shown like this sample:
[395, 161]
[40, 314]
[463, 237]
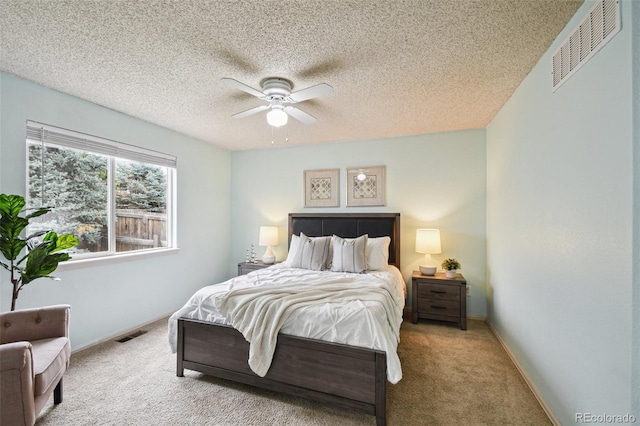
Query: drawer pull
[438, 292]
[438, 307]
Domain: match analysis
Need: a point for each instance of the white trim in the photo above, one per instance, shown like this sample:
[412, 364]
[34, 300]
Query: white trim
[111, 206]
[120, 334]
[526, 378]
[477, 318]
[172, 207]
[45, 133]
[406, 313]
[113, 151]
[115, 258]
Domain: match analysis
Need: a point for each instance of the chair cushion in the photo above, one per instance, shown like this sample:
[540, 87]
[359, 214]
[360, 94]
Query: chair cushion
[50, 356]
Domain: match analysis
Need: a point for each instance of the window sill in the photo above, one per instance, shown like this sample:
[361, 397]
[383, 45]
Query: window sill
[115, 258]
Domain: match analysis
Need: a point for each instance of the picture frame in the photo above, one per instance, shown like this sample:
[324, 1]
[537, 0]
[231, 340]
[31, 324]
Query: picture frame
[322, 188]
[367, 191]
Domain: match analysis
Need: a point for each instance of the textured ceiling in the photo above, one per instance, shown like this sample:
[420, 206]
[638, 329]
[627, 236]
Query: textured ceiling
[398, 67]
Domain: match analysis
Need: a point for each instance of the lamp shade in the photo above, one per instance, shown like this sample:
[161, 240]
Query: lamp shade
[428, 241]
[268, 236]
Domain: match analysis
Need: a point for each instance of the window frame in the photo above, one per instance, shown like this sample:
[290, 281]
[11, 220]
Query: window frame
[113, 151]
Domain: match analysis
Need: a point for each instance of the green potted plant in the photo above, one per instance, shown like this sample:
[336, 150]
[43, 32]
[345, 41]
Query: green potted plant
[450, 267]
[42, 254]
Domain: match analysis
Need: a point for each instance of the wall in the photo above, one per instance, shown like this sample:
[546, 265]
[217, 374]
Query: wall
[109, 299]
[435, 180]
[635, 382]
[559, 215]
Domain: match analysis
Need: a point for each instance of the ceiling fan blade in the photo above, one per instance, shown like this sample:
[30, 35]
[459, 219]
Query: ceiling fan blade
[235, 84]
[300, 115]
[251, 111]
[311, 92]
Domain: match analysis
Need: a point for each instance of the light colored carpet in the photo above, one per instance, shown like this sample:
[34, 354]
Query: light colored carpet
[451, 377]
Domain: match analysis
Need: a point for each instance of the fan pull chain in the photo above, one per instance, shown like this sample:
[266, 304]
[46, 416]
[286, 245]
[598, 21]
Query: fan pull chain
[273, 138]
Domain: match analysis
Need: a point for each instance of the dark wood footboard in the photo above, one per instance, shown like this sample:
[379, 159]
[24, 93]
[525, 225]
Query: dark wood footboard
[335, 374]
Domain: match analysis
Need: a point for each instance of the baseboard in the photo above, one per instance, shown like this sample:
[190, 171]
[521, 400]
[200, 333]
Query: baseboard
[120, 333]
[406, 314]
[525, 377]
[477, 318]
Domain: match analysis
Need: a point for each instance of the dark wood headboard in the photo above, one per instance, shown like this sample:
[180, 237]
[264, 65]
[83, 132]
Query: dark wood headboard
[349, 225]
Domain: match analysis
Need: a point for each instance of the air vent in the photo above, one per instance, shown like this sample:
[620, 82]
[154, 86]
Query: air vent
[131, 336]
[601, 25]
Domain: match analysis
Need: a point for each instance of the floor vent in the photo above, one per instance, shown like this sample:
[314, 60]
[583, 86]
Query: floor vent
[601, 24]
[131, 336]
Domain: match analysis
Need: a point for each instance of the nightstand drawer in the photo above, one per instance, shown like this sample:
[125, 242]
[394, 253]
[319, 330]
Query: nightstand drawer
[449, 308]
[439, 298]
[438, 291]
[245, 267]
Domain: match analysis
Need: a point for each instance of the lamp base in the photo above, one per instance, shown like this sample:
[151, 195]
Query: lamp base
[269, 256]
[427, 270]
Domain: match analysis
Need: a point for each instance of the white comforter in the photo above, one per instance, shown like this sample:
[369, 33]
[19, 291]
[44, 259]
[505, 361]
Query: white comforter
[355, 309]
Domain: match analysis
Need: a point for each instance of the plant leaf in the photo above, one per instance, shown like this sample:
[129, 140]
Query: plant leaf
[36, 235]
[11, 248]
[64, 242]
[39, 212]
[42, 257]
[50, 238]
[11, 205]
[40, 264]
[12, 226]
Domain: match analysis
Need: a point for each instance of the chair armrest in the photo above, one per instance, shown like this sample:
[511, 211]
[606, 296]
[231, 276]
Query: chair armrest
[17, 405]
[15, 356]
[34, 324]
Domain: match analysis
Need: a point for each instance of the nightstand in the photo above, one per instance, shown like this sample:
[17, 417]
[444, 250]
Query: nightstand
[439, 298]
[246, 267]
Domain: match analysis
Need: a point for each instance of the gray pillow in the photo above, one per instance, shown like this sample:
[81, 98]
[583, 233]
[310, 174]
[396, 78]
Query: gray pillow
[312, 253]
[349, 254]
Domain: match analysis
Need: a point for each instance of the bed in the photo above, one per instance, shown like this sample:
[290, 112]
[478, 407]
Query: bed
[348, 376]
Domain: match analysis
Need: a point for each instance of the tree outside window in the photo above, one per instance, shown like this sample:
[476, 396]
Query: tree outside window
[111, 204]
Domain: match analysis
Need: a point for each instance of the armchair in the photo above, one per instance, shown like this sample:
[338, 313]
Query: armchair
[34, 354]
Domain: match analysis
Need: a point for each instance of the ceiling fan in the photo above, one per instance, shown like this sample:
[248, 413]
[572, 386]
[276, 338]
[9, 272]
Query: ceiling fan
[277, 91]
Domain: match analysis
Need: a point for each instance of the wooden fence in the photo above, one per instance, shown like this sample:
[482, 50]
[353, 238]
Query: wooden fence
[140, 230]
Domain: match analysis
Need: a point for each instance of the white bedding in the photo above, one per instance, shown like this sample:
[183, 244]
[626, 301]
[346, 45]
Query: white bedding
[370, 320]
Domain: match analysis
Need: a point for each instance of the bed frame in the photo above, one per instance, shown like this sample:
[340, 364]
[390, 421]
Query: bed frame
[341, 375]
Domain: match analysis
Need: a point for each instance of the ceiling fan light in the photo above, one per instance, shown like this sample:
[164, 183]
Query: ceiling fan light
[277, 117]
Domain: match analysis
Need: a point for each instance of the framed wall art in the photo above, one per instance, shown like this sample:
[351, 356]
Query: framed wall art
[366, 186]
[322, 188]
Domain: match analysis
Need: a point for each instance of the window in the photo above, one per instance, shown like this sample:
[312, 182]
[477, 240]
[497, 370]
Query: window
[114, 197]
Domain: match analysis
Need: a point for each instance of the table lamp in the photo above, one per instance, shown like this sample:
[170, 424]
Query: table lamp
[268, 237]
[428, 242]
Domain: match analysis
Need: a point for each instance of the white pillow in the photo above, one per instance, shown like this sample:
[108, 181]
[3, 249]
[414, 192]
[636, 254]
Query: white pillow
[312, 253]
[293, 247]
[377, 253]
[349, 254]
